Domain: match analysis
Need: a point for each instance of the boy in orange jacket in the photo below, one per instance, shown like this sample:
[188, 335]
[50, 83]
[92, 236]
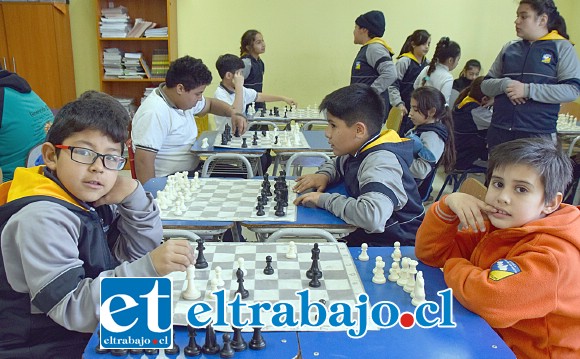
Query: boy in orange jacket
[514, 259]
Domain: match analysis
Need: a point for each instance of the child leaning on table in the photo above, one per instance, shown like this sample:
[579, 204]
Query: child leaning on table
[64, 225]
[514, 259]
[382, 201]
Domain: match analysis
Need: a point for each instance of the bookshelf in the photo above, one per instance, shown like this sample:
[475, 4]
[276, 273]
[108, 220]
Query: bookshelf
[164, 14]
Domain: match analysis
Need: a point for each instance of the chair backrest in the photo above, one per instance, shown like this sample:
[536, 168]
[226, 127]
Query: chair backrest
[572, 108]
[394, 119]
[180, 233]
[310, 124]
[473, 187]
[33, 155]
[231, 163]
[299, 160]
[300, 234]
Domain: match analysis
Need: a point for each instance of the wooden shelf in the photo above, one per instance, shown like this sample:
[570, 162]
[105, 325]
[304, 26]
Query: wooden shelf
[162, 12]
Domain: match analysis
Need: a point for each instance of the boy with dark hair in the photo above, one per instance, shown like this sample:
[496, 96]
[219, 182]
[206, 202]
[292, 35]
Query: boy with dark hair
[514, 258]
[382, 200]
[232, 91]
[164, 127]
[64, 225]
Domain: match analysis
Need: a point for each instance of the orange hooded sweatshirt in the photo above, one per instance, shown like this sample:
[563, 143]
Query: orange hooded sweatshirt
[523, 281]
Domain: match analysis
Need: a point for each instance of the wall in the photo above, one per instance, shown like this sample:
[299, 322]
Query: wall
[309, 44]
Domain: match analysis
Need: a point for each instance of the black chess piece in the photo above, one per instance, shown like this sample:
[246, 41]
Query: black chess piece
[210, 346]
[99, 349]
[224, 139]
[271, 113]
[263, 133]
[151, 351]
[136, 351]
[227, 351]
[279, 209]
[192, 349]
[255, 141]
[257, 342]
[315, 257]
[268, 270]
[244, 144]
[240, 279]
[260, 211]
[237, 132]
[119, 352]
[174, 349]
[238, 343]
[314, 282]
[200, 261]
[275, 140]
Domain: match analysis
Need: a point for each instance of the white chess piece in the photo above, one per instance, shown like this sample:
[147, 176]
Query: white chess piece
[378, 259]
[191, 292]
[242, 266]
[218, 276]
[403, 274]
[363, 256]
[204, 143]
[213, 288]
[410, 285]
[291, 254]
[379, 277]
[419, 290]
[394, 272]
[397, 251]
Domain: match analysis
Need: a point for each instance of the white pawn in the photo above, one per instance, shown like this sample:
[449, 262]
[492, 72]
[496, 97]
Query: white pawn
[204, 143]
[394, 272]
[242, 266]
[363, 256]
[397, 251]
[291, 254]
[191, 292]
[213, 288]
[419, 290]
[410, 285]
[218, 276]
[403, 274]
[196, 177]
[378, 260]
[379, 271]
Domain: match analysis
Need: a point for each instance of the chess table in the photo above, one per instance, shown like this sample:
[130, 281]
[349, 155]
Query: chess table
[472, 338]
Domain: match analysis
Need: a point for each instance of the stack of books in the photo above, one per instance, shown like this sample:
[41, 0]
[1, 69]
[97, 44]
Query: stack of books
[156, 32]
[159, 63]
[127, 104]
[132, 66]
[114, 22]
[140, 27]
[112, 62]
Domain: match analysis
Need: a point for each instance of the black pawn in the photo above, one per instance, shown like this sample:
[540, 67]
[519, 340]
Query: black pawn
[279, 210]
[314, 282]
[244, 144]
[151, 351]
[275, 140]
[263, 133]
[227, 351]
[192, 349]
[268, 270]
[271, 113]
[257, 342]
[224, 139]
[237, 132]
[260, 211]
[255, 141]
[210, 346]
[136, 351]
[99, 349]
[238, 343]
[119, 352]
[174, 349]
[200, 262]
[243, 291]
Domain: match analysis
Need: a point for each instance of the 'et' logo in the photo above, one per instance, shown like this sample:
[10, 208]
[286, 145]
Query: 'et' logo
[136, 313]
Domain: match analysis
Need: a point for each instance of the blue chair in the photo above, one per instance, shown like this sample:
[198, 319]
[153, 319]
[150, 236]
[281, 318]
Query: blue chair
[456, 178]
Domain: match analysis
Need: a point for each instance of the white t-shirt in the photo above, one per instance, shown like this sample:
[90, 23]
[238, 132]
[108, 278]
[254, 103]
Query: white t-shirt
[441, 79]
[170, 132]
[221, 93]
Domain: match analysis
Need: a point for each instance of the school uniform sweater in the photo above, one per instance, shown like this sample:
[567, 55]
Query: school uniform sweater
[408, 68]
[470, 124]
[254, 75]
[53, 248]
[550, 70]
[382, 195]
[522, 281]
[373, 65]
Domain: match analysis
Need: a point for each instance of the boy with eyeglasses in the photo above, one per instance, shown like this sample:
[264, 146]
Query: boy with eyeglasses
[64, 225]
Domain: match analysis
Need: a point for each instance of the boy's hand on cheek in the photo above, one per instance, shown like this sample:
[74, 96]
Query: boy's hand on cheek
[470, 210]
[122, 188]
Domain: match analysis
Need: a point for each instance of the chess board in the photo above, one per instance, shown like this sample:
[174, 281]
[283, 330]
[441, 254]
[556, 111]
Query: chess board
[340, 280]
[286, 140]
[230, 200]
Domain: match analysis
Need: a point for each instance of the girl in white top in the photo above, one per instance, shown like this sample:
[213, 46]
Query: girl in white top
[438, 73]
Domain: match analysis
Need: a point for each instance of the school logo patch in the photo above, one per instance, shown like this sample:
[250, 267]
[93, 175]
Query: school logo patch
[503, 268]
[357, 65]
[546, 58]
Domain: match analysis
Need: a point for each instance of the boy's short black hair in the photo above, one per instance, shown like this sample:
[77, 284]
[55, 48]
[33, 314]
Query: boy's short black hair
[354, 103]
[550, 162]
[189, 72]
[228, 63]
[91, 111]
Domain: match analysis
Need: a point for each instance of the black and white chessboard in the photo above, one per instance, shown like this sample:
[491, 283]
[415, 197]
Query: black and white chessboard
[286, 140]
[340, 280]
[229, 200]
